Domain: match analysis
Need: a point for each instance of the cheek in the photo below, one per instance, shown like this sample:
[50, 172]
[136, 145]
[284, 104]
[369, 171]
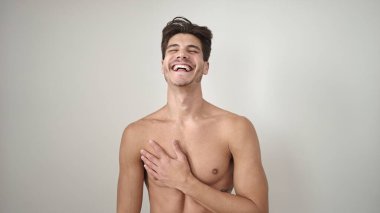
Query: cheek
[165, 63]
[202, 68]
[164, 66]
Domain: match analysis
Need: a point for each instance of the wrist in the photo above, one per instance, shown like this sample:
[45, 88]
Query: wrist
[188, 184]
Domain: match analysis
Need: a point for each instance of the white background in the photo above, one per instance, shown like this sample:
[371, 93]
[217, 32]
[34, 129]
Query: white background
[75, 73]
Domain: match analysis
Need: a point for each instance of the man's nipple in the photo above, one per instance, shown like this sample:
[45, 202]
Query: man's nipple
[215, 171]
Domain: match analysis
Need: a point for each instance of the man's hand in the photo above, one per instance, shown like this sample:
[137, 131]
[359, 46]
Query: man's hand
[167, 171]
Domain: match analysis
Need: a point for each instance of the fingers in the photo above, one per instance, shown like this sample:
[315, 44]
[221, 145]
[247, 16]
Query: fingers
[149, 160]
[150, 163]
[178, 150]
[149, 156]
[157, 148]
[151, 172]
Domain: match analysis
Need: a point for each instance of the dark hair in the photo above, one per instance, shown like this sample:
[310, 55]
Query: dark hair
[183, 25]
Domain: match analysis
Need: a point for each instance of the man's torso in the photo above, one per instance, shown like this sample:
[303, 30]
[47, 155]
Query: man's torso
[205, 142]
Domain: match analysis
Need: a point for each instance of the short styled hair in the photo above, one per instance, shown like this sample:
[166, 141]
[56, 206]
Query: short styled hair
[183, 25]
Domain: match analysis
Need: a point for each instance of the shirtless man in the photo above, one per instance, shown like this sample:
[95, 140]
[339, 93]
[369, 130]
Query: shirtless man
[190, 153]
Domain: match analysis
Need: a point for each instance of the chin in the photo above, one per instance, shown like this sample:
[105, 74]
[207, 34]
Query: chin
[181, 84]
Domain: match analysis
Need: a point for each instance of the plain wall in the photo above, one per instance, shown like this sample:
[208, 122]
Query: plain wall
[74, 74]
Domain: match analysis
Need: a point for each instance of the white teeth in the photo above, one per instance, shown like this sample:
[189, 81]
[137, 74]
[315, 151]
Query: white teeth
[181, 66]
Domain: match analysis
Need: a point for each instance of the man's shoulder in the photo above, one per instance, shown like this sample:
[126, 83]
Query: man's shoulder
[140, 125]
[237, 129]
[136, 131]
[236, 122]
[231, 124]
[145, 122]
[230, 118]
[233, 127]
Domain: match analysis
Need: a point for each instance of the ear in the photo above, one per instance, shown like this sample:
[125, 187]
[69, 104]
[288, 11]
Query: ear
[205, 68]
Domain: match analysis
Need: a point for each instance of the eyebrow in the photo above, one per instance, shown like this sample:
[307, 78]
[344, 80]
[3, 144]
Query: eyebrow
[194, 46]
[172, 45]
[188, 46]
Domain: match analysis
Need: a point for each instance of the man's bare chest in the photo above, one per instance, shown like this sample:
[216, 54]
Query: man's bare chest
[205, 147]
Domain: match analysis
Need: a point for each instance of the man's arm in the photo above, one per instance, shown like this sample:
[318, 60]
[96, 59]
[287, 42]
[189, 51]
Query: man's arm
[131, 175]
[249, 178]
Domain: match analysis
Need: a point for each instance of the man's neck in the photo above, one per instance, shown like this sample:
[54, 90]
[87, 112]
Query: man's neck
[184, 103]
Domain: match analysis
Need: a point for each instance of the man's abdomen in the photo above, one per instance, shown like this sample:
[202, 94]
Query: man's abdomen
[172, 201]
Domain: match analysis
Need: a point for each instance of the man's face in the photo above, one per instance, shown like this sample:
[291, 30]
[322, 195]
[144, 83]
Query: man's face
[183, 64]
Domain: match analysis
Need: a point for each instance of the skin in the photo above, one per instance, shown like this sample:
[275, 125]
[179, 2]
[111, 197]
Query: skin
[191, 153]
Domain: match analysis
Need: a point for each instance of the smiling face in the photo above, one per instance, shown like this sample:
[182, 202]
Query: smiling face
[183, 64]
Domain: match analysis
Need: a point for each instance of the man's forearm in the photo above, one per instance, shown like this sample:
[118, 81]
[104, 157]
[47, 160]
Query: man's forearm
[218, 201]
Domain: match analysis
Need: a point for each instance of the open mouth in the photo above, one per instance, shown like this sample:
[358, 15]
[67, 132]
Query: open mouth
[182, 67]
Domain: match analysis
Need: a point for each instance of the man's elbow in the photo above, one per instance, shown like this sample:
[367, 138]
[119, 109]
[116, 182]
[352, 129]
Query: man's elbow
[259, 208]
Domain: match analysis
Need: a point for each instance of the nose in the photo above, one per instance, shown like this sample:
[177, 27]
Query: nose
[182, 54]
